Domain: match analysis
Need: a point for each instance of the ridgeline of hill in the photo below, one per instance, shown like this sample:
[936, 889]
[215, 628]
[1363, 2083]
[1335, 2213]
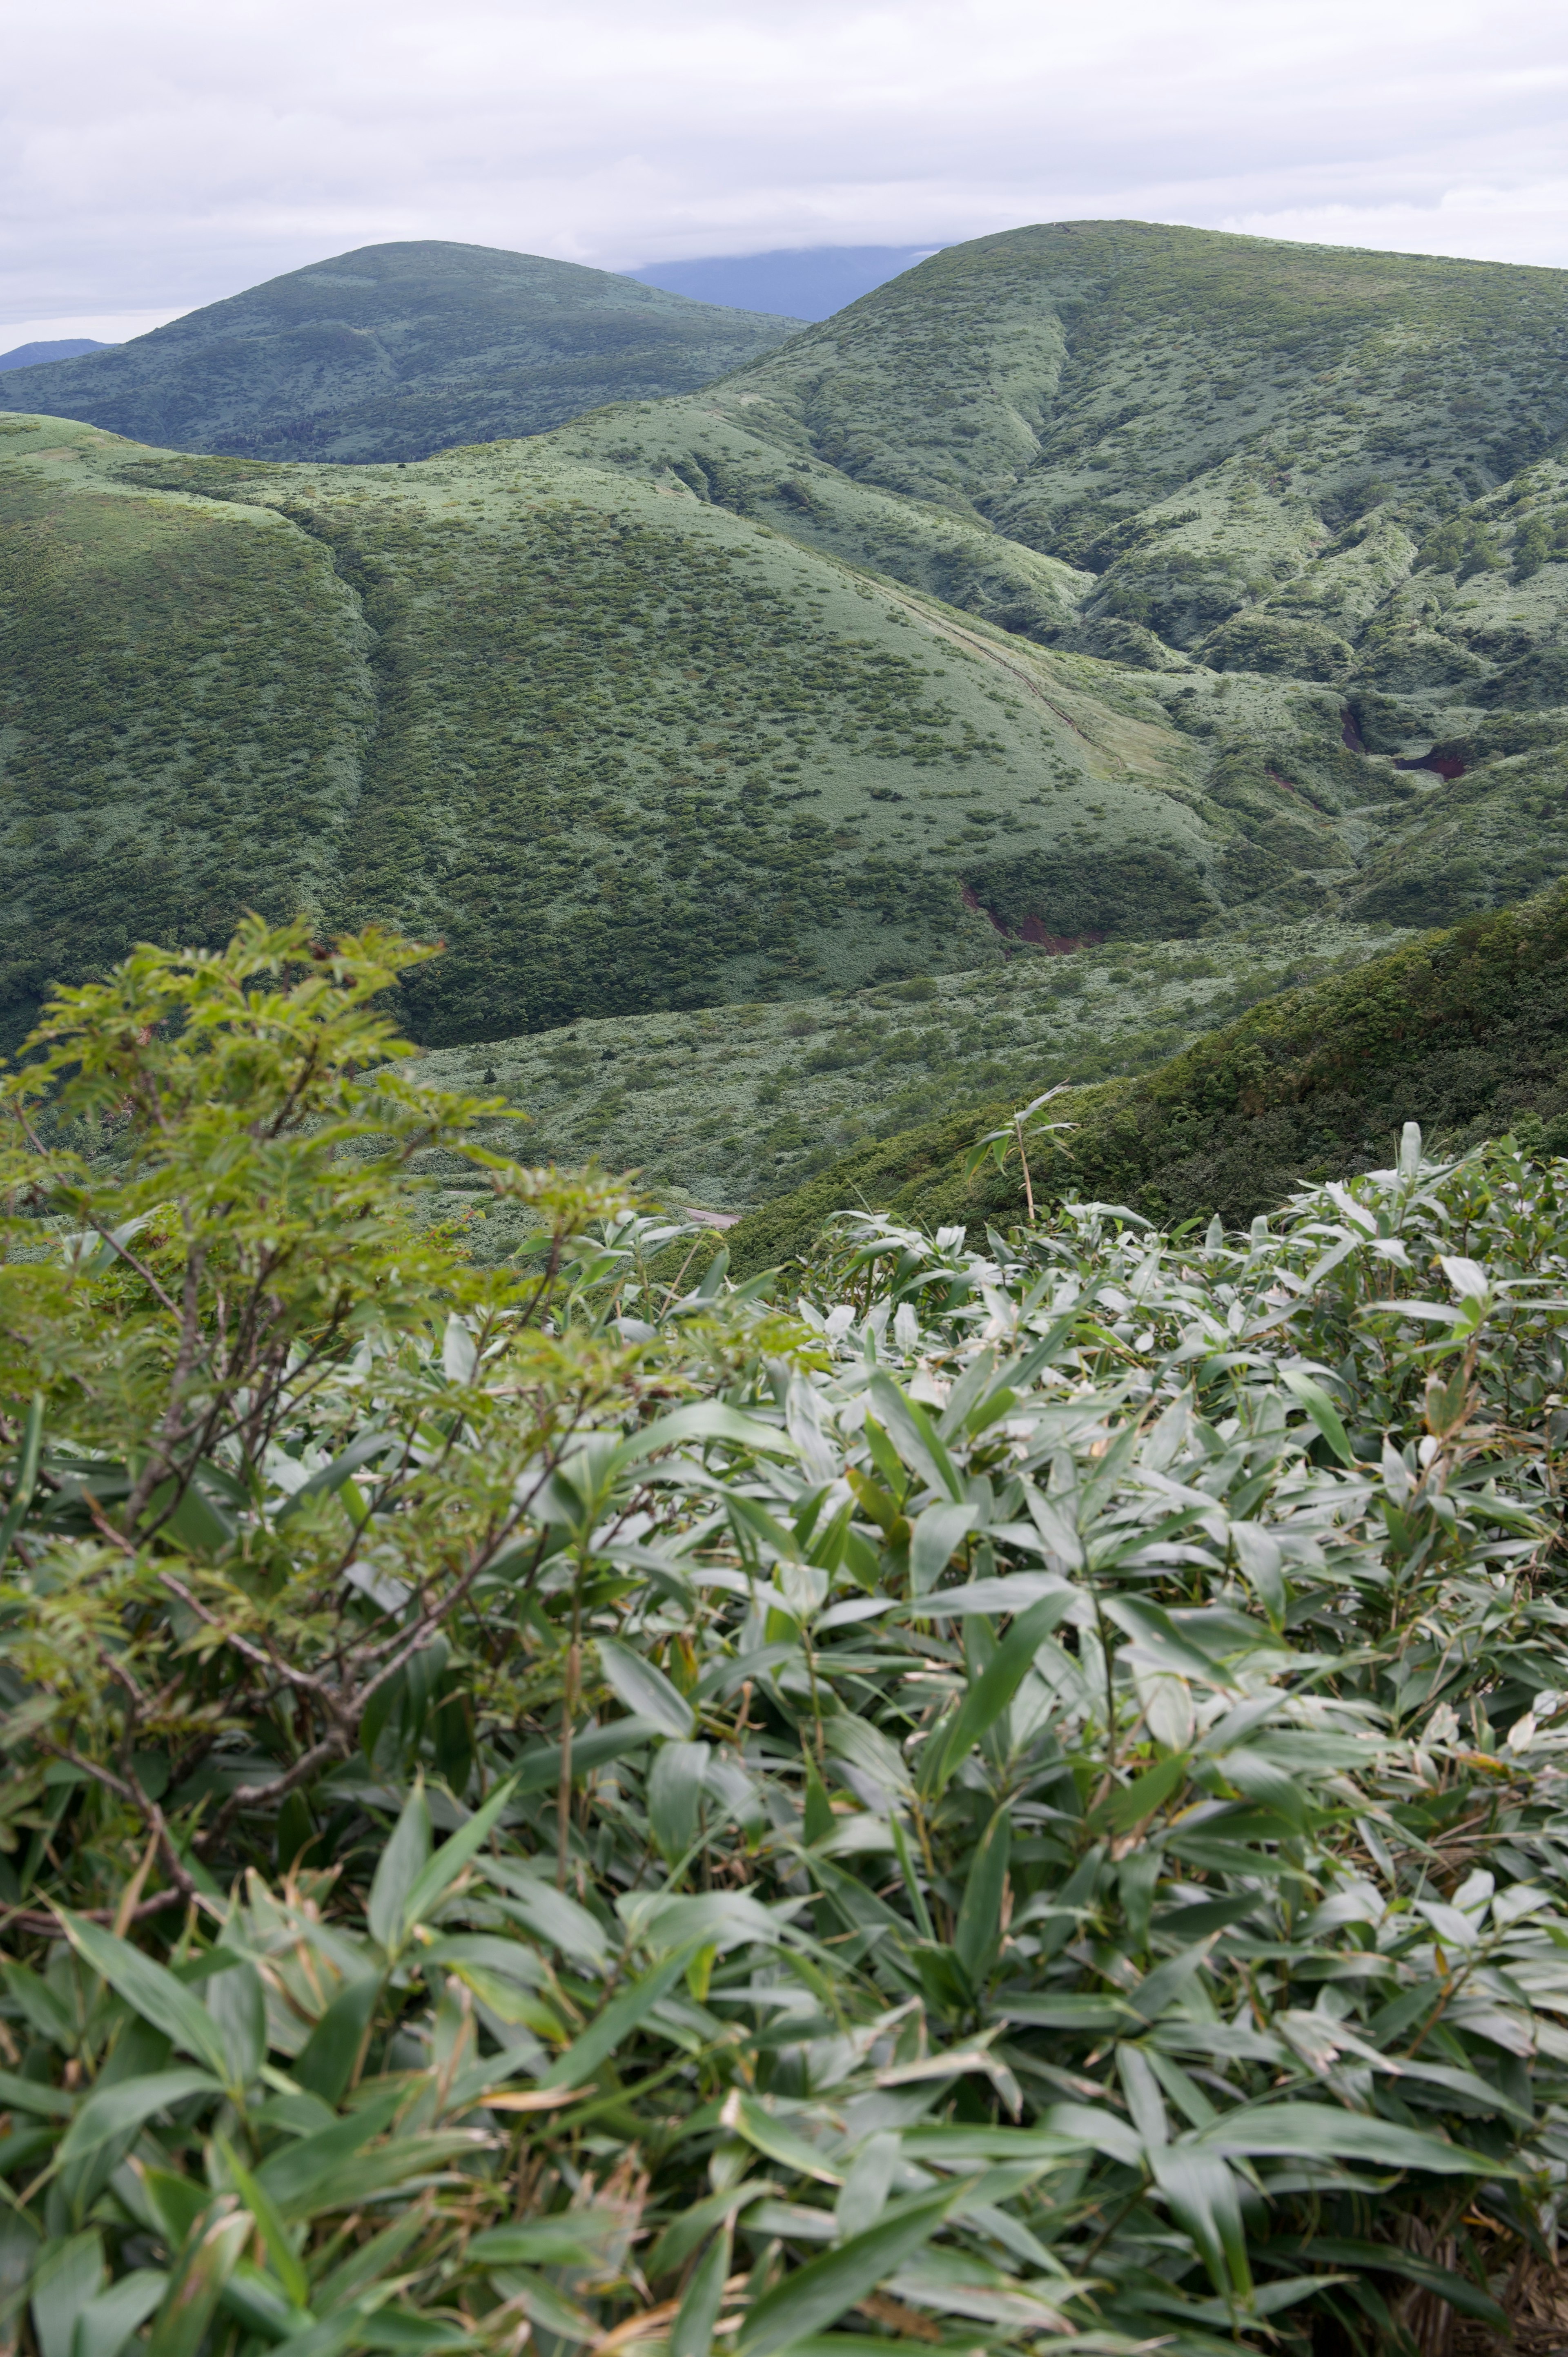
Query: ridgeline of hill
[1096, 583]
[1465, 1032]
[393, 351]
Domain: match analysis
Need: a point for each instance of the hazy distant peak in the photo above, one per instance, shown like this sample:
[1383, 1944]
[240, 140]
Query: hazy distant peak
[63, 348]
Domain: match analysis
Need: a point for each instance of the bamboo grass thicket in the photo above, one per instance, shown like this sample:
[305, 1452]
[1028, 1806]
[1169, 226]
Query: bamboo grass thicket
[979, 1795]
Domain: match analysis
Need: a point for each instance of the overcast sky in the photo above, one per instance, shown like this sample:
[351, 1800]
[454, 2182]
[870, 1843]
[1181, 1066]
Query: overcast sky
[156, 156]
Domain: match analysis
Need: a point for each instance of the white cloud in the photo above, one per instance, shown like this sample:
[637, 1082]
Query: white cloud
[1528, 224]
[157, 157]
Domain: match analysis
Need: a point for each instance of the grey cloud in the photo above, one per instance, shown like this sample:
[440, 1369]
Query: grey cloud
[161, 156]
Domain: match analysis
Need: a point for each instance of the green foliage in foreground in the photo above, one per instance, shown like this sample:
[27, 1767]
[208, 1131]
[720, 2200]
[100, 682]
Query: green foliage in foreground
[1021, 1797]
[1465, 1032]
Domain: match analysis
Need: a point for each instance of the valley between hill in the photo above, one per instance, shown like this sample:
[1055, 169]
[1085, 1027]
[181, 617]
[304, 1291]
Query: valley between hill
[1096, 584]
[620, 748]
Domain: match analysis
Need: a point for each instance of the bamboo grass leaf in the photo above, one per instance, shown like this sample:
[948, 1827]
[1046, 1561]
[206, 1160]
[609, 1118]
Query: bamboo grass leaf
[691, 2333]
[152, 1991]
[818, 2294]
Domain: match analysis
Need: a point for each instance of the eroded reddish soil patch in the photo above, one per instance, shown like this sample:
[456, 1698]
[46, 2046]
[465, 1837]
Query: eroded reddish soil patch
[1032, 930]
[1442, 760]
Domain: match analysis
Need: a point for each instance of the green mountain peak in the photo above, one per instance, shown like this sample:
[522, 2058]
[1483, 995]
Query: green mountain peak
[392, 351]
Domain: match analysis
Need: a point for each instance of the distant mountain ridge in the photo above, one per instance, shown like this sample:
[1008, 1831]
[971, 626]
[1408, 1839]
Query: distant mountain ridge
[809, 282]
[392, 352]
[1315, 498]
[63, 348]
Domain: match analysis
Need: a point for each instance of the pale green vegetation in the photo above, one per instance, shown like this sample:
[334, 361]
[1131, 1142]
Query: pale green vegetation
[987, 1786]
[1464, 1032]
[1000, 1799]
[729, 1105]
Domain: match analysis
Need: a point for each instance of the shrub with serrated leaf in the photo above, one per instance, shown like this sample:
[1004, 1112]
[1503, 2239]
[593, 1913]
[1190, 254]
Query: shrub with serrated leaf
[1020, 1797]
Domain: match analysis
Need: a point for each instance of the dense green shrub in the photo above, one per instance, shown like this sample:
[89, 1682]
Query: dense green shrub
[1281, 644]
[1127, 893]
[1021, 1797]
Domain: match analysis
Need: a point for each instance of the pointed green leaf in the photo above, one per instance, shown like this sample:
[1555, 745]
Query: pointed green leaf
[817, 1818]
[979, 1933]
[196, 2285]
[550, 1914]
[544, 2306]
[34, 2096]
[691, 2333]
[1326, 2132]
[290, 2273]
[645, 1690]
[176, 2201]
[574, 2238]
[993, 1690]
[237, 2003]
[862, 2197]
[706, 1420]
[915, 1437]
[539, 1770]
[107, 2323]
[683, 2233]
[767, 2133]
[26, 1474]
[371, 2263]
[675, 1796]
[935, 1539]
[332, 1477]
[1458, 2291]
[1203, 2199]
[296, 2173]
[403, 1860]
[114, 2110]
[151, 1990]
[818, 2294]
[1322, 1411]
[68, 2275]
[451, 1858]
[1128, 1806]
[325, 2065]
[256, 2302]
[577, 2066]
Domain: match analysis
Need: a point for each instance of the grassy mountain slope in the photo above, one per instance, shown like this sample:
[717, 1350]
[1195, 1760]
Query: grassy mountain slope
[622, 749]
[1314, 497]
[1463, 1031]
[393, 351]
[730, 1105]
[1090, 582]
[1076, 388]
